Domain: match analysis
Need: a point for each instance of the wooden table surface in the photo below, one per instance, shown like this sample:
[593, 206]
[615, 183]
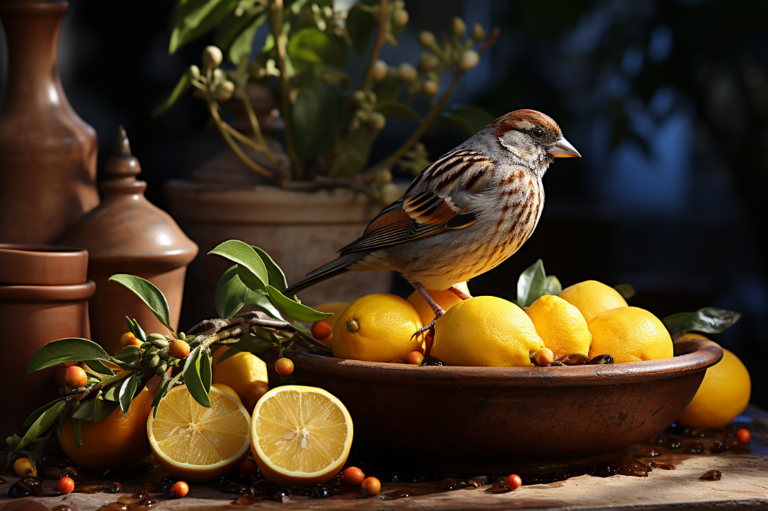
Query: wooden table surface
[744, 485]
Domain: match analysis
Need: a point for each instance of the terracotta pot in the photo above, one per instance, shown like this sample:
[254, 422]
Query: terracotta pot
[32, 316]
[47, 153]
[128, 234]
[301, 231]
[480, 420]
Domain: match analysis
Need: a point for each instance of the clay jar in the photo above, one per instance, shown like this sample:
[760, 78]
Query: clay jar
[43, 296]
[128, 234]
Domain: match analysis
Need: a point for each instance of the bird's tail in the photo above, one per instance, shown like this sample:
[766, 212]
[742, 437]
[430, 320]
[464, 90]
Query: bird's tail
[326, 271]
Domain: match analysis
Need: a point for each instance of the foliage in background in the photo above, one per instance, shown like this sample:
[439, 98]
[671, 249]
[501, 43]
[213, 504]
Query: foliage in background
[332, 114]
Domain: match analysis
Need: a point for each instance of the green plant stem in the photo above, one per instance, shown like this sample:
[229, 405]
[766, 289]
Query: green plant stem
[276, 22]
[256, 129]
[381, 22]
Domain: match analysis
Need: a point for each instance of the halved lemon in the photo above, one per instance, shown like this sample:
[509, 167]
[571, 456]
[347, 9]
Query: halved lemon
[300, 435]
[196, 443]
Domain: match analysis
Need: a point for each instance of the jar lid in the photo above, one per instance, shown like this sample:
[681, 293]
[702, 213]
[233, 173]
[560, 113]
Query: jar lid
[126, 231]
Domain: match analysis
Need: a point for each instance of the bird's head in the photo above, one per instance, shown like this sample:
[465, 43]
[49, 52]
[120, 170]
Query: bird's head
[532, 137]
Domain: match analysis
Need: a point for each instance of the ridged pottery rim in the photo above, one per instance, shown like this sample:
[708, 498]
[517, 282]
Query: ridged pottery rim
[695, 356]
[42, 265]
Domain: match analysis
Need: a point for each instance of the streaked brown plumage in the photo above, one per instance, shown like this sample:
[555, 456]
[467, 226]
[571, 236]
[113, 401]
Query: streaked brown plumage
[464, 214]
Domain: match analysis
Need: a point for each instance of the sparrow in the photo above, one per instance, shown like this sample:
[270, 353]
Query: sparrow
[464, 214]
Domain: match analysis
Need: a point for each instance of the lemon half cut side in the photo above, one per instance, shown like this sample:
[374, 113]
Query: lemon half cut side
[300, 435]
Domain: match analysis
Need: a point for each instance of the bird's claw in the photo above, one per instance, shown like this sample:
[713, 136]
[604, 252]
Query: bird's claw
[428, 328]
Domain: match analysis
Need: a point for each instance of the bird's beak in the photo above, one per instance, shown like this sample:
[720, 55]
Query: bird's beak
[563, 149]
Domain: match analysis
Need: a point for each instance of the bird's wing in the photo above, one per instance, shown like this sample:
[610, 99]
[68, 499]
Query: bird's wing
[437, 201]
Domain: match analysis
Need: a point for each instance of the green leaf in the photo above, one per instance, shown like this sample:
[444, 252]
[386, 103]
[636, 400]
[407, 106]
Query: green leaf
[112, 391]
[103, 410]
[193, 18]
[534, 283]
[193, 379]
[242, 46]
[98, 367]
[251, 268]
[228, 353]
[708, 320]
[361, 23]
[276, 275]
[553, 286]
[76, 432]
[233, 26]
[388, 89]
[395, 109]
[294, 310]
[165, 386]
[311, 46]
[353, 153]
[625, 290]
[316, 115]
[205, 371]
[149, 294]
[128, 354]
[65, 350]
[41, 424]
[181, 87]
[127, 390]
[85, 410]
[466, 118]
[232, 295]
[37, 413]
[135, 329]
[250, 343]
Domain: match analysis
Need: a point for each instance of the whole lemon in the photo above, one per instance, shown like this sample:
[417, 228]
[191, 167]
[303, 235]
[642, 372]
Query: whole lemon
[445, 299]
[115, 442]
[722, 396]
[629, 334]
[486, 331]
[245, 373]
[560, 325]
[335, 308]
[378, 328]
[592, 297]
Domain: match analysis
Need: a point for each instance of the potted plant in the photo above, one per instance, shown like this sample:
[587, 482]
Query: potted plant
[321, 190]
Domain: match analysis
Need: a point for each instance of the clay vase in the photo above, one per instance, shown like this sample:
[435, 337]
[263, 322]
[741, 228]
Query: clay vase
[47, 153]
[128, 234]
[43, 296]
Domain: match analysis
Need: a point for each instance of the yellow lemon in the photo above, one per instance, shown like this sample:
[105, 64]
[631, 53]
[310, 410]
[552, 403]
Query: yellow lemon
[560, 325]
[378, 328]
[195, 443]
[335, 308]
[115, 442]
[300, 435]
[445, 299]
[245, 373]
[486, 331]
[629, 334]
[228, 390]
[592, 297]
[723, 395]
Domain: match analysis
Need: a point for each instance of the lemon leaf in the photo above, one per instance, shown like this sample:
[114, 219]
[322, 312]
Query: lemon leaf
[625, 290]
[65, 350]
[125, 395]
[147, 293]
[76, 432]
[205, 371]
[37, 413]
[276, 275]
[709, 320]
[135, 329]
[534, 283]
[293, 309]
[98, 367]
[44, 421]
[251, 269]
[85, 410]
[192, 378]
[128, 354]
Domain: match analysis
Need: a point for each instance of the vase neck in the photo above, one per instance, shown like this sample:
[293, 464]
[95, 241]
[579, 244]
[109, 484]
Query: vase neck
[32, 31]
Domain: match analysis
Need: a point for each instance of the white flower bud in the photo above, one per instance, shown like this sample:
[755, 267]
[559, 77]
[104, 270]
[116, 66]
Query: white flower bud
[426, 39]
[431, 88]
[478, 32]
[469, 59]
[193, 73]
[407, 73]
[379, 71]
[400, 18]
[459, 27]
[428, 61]
[212, 57]
[377, 121]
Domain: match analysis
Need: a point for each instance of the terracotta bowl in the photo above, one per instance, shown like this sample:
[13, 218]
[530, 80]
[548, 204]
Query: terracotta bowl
[483, 420]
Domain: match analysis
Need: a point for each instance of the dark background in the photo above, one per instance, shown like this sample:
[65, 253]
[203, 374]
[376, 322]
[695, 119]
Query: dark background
[667, 101]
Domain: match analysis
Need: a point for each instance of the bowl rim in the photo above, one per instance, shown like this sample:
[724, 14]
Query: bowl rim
[691, 357]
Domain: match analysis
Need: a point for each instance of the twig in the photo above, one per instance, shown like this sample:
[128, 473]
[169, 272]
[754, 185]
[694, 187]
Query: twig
[213, 330]
[381, 23]
[257, 129]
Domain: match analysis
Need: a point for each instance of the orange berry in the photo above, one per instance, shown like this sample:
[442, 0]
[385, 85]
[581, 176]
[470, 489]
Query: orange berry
[178, 349]
[743, 436]
[248, 467]
[284, 366]
[66, 485]
[371, 486]
[322, 330]
[75, 376]
[24, 468]
[179, 489]
[415, 358]
[58, 376]
[128, 339]
[514, 482]
[352, 476]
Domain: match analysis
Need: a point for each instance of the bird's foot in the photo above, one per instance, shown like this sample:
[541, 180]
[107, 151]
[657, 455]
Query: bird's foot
[429, 329]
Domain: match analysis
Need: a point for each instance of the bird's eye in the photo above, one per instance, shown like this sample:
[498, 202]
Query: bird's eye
[538, 132]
